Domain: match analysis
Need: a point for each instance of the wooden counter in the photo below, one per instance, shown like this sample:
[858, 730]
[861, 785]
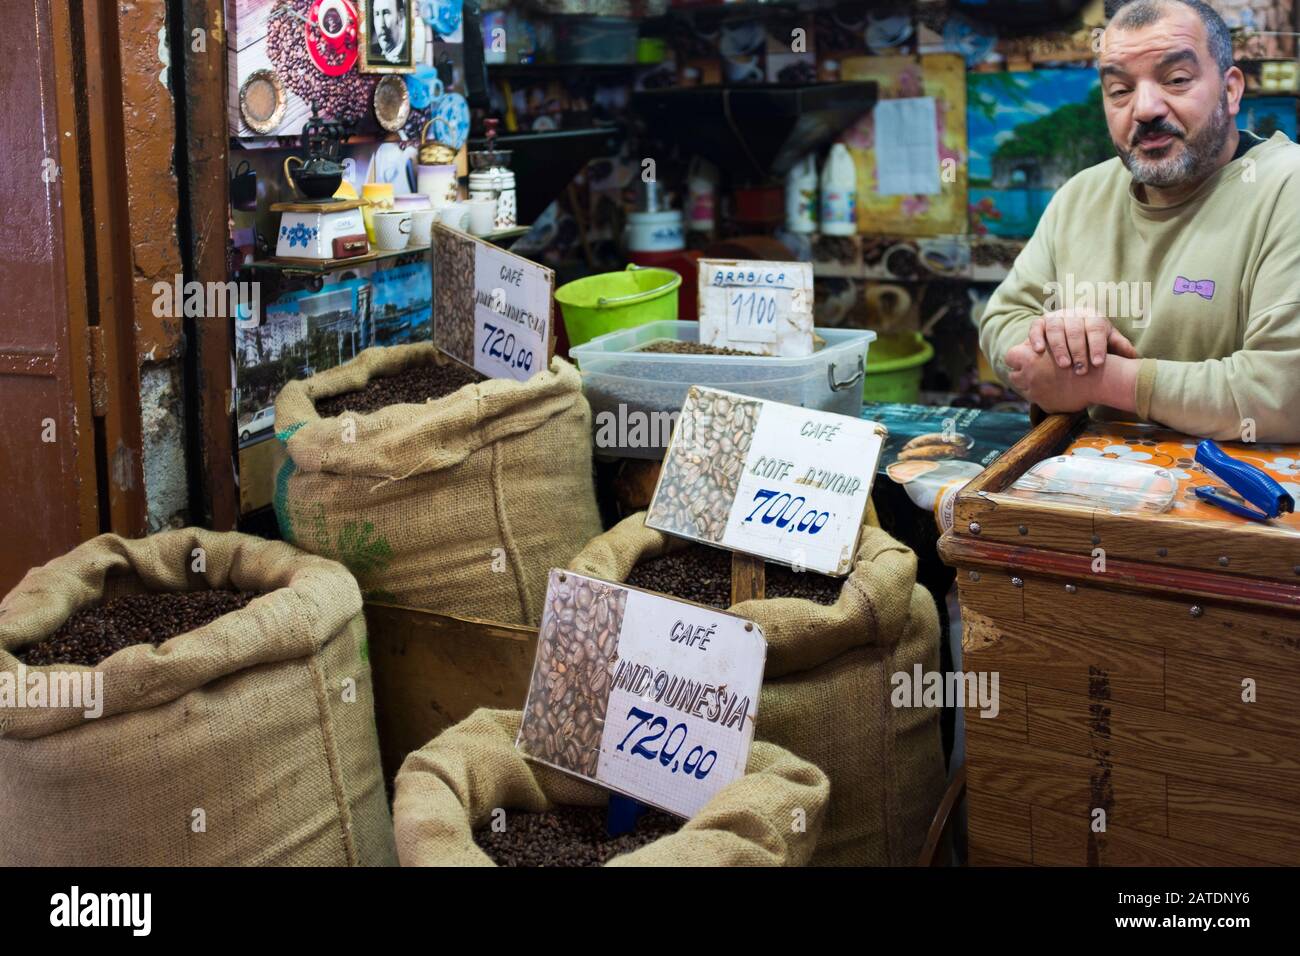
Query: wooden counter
[1124, 734]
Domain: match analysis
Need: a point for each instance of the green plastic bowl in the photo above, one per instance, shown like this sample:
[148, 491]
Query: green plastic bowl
[894, 366]
[617, 300]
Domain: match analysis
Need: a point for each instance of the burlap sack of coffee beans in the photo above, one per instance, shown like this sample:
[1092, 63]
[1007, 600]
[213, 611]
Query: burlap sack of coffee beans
[826, 689]
[460, 505]
[248, 741]
[452, 786]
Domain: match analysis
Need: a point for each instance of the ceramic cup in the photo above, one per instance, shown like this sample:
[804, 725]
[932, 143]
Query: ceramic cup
[392, 229]
[456, 215]
[409, 202]
[482, 216]
[438, 183]
[422, 226]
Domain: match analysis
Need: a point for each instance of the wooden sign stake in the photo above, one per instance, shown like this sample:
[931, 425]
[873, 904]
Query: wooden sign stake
[747, 577]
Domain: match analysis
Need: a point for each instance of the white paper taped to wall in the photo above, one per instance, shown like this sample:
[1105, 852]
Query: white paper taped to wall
[907, 147]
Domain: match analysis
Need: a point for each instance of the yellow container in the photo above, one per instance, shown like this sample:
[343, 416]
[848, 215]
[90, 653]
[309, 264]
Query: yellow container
[379, 198]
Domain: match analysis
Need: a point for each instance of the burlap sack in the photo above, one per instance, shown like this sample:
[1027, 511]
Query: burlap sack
[460, 506]
[239, 743]
[826, 690]
[450, 787]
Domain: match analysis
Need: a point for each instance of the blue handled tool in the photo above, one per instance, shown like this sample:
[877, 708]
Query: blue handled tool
[622, 814]
[1253, 485]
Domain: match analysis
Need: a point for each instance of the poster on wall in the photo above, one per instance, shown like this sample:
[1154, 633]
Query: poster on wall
[284, 55]
[939, 82]
[1029, 132]
[1266, 115]
[306, 332]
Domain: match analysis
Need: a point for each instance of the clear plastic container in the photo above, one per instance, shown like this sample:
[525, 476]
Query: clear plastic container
[633, 393]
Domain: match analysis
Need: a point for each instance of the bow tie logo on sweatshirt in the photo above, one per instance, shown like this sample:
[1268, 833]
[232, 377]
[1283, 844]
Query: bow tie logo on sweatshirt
[1202, 287]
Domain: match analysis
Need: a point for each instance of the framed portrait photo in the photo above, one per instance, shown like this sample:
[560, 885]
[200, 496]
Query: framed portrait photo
[387, 36]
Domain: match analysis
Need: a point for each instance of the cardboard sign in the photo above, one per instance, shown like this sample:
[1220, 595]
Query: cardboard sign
[649, 696]
[491, 308]
[754, 306]
[778, 481]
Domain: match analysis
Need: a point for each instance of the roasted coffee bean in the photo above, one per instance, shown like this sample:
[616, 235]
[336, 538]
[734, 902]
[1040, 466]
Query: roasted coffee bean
[94, 633]
[568, 836]
[346, 98]
[689, 348]
[415, 385]
[703, 575]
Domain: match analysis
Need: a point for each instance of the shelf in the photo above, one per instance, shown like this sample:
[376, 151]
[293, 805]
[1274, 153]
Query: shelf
[313, 267]
[562, 70]
[506, 235]
[253, 143]
[756, 131]
[323, 266]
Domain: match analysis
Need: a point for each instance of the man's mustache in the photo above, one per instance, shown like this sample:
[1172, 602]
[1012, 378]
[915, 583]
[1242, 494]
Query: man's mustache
[1158, 127]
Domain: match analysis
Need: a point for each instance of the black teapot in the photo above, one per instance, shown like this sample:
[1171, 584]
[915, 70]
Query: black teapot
[319, 175]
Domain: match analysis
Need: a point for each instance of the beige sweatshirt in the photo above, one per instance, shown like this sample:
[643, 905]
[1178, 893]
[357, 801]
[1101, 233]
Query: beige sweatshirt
[1208, 290]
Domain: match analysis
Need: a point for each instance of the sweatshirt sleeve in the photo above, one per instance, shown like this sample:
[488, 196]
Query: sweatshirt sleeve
[1258, 383]
[1019, 299]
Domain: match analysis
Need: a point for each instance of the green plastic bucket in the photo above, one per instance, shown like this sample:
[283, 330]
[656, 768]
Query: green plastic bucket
[894, 365]
[617, 300]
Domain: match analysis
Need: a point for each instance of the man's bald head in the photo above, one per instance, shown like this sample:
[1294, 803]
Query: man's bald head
[1134, 14]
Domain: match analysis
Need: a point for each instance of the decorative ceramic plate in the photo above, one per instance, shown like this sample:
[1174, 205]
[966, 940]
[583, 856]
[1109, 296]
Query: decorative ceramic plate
[262, 101]
[392, 103]
[451, 120]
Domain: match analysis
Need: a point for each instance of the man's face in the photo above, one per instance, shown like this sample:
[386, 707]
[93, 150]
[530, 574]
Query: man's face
[1169, 110]
[388, 25]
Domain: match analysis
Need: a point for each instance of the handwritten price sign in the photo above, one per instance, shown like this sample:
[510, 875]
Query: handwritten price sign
[646, 695]
[760, 307]
[492, 309]
[788, 484]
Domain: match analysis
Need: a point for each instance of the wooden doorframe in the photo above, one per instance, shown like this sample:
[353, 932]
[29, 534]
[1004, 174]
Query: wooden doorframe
[107, 285]
[205, 195]
[74, 264]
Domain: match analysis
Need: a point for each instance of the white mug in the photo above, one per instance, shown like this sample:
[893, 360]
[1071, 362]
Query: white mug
[455, 215]
[422, 226]
[482, 216]
[439, 183]
[392, 230]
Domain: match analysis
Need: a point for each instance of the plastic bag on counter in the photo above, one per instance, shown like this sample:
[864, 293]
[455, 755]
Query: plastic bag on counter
[1099, 483]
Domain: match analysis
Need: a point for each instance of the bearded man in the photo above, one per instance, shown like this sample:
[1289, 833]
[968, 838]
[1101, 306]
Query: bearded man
[1179, 260]
[389, 29]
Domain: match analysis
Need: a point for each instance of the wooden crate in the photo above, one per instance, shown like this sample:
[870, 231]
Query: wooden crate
[1122, 689]
[432, 671]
